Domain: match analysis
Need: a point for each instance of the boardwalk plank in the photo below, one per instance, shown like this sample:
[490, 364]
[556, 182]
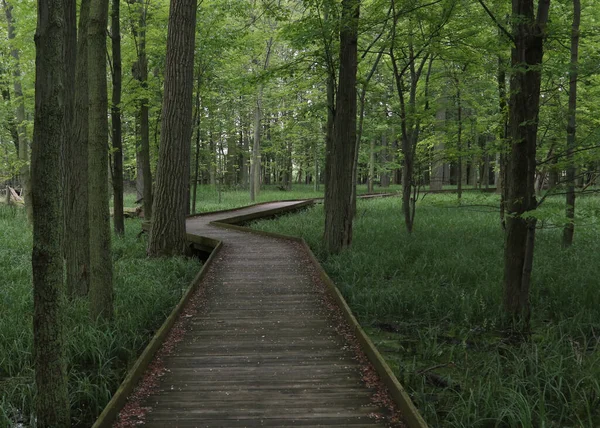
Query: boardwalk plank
[264, 351]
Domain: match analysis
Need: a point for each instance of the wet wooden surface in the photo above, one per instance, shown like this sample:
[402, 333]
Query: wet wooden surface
[263, 351]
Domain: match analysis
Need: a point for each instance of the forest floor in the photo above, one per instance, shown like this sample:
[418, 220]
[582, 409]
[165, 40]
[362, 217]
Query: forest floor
[146, 290]
[430, 301]
[432, 304]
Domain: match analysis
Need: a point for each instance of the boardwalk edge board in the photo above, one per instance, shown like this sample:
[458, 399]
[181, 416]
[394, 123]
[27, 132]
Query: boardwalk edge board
[119, 399]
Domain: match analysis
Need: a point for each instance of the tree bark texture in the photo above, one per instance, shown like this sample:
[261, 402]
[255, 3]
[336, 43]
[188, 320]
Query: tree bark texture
[527, 54]
[338, 191]
[52, 400]
[167, 235]
[101, 273]
[197, 144]
[141, 73]
[76, 199]
[569, 229]
[115, 115]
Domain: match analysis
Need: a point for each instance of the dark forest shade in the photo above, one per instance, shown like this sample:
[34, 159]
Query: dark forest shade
[101, 273]
[77, 229]
[115, 116]
[167, 235]
[52, 400]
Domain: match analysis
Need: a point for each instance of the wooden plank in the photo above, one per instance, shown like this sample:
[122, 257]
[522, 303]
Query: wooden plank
[263, 350]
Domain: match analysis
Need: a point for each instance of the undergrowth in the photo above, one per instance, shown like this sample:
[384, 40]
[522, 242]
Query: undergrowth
[146, 290]
[432, 304]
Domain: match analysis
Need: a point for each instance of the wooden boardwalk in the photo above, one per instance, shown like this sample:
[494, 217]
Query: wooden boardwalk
[263, 350]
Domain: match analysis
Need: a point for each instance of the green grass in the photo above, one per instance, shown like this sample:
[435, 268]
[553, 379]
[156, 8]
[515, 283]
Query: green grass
[208, 196]
[146, 290]
[432, 304]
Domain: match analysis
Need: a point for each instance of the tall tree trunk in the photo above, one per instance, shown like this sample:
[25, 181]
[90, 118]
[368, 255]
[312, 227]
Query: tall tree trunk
[437, 175]
[23, 141]
[49, 351]
[255, 163]
[142, 75]
[197, 146]
[316, 180]
[331, 95]
[101, 273]
[338, 191]
[361, 118]
[167, 235]
[115, 114]
[371, 183]
[76, 198]
[69, 120]
[569, 228]
[527, 54]
[255, 160]
[503, 136]
[384, 159]
[459, 143]
[245, 142]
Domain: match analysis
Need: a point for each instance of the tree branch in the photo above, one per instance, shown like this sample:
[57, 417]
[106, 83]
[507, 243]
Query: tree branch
[491, 15]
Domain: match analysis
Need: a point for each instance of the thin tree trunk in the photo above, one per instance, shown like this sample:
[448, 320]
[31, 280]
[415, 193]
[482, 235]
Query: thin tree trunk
[437, 176]
[167, 235]
[142, 76]
[361, 118]
[255, 163]
[49, 351]
[330, 84]
[316, 163]
[459, 144]
[77, 228]
[245, 172]
[197, 151]
[22, 140]
[529, 33]
[255, 160]
[339, 212]
[117, 141]
[371, 183]
[569, 228]
[101, 273]
[503, 135]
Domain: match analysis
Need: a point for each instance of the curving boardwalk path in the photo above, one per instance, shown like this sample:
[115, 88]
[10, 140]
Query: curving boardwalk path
[263, 351]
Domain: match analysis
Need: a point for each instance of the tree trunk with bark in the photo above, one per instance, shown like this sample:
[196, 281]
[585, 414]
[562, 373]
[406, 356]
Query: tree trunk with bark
[459, 143]
[338, 190]
[76, 198]
[141, 74]
[22, 140]
[101, 272]
[49, 351]
[525, 82]
[569, 228]
[255, 160]
[167, 235]
[197, 145]
[371, 182]
[115, 114]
